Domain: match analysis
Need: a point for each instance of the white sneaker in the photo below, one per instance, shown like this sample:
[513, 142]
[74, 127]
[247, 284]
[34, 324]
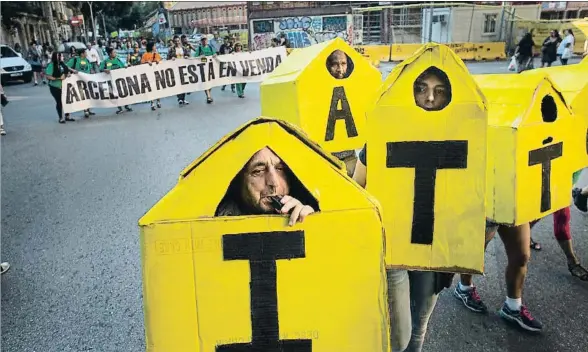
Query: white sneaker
[2, 132]
[4, 267]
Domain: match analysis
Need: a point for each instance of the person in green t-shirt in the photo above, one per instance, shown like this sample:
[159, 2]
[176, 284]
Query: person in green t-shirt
[80, 63]
[113, 63]
[202, 51]
[55, 73]
[240, 86]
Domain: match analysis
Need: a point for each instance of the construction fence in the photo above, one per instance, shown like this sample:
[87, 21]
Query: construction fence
[474, 31]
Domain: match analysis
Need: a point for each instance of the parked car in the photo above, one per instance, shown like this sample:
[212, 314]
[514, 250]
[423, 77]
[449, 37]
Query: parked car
[13, 67]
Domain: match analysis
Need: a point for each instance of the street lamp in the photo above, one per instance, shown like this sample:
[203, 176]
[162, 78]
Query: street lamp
[93, 24]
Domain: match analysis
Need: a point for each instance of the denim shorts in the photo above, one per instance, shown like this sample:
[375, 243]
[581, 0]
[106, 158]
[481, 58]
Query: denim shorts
[490, 225]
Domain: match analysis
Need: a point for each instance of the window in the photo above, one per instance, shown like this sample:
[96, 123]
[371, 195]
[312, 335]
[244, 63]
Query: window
[7, 52]
[490, 23]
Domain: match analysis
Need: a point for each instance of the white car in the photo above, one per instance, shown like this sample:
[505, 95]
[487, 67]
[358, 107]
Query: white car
[13, 67]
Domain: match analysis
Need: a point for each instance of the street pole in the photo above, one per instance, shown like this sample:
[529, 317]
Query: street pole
[104, 26]
[430, 21]
[93, 24]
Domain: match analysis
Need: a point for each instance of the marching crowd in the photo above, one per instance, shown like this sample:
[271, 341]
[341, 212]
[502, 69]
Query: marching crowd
[52, 67]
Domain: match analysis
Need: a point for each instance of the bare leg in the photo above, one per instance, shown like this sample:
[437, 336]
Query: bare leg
[467, 279]
[517, 245]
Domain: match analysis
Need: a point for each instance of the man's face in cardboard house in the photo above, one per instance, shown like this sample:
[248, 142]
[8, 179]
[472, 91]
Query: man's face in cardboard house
[337, 64]
[265, 175]
[431, 92]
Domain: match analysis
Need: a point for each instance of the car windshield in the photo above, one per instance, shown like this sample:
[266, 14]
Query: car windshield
[7, 52]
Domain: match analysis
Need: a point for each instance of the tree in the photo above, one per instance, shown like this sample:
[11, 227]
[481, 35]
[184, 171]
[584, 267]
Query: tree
[48, 14]
[117, 15]
[12, 10]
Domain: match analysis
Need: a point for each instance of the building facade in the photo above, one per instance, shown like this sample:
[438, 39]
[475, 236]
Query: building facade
[208, 17]
[560, 10]
[45, 22]
[309, 22]
[365, 23]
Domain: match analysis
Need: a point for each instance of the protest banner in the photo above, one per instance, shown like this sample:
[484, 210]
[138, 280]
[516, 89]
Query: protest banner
[141, 83]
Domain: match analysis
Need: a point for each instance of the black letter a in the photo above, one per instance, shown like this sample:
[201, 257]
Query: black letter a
[343, 114]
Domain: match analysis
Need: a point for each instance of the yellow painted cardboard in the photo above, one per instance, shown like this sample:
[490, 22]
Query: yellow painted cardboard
[303, 92]
[459, 214]
[333, 295]
[517, 132]
[572, 83]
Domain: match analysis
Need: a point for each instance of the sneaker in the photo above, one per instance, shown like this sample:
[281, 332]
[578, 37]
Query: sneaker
[119, 111]
[185, 102]
[158, 105]
[181, 102]
[4, 267]
[152, 107]
[470, 299]
[580, 200]
[129, 109]
[2, 132]
[522, 317]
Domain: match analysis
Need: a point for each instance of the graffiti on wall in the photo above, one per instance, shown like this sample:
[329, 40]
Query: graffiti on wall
[262, 40]
[302, 31]
[295, 23]
[335, 23]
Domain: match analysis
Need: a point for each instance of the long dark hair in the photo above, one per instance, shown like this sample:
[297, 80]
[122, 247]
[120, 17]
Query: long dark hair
[149, 47]
[233, 195]
[442, 76]
[56, 64]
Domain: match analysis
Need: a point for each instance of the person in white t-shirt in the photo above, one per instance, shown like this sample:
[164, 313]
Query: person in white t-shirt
[94, 57]
[177, 52]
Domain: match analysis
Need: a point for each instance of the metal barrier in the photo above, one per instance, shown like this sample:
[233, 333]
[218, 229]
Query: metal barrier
[400, 52]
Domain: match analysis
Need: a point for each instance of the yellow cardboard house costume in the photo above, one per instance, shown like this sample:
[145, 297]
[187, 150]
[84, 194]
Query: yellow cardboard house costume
[572, 83]
[223, 283]
[427, 165]
[330, 110]
[535, 144]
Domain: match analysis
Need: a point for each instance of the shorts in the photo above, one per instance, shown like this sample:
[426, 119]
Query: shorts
[36, 68]
[491, 226]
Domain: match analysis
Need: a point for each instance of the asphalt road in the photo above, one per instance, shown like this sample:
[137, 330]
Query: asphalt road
[72, 195]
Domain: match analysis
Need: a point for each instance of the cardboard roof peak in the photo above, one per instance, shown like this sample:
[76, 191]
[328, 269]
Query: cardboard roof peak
[292, 129]
[302, 59]
[442, 56]
[565, 78]
[511, 96]
[204, 183]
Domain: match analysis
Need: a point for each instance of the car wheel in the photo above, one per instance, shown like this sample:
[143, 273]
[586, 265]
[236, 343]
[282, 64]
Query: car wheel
[28, 77]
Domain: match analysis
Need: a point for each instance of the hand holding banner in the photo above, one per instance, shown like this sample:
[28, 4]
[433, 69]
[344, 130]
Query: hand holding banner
[144, 82]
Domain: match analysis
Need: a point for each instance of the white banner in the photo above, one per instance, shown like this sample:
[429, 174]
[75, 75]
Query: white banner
[141, 83]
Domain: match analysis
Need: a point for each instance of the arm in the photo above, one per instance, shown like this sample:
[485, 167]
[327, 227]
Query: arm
[360, 172]
[298, 211]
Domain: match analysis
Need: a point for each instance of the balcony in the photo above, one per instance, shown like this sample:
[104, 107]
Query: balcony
[219, 21]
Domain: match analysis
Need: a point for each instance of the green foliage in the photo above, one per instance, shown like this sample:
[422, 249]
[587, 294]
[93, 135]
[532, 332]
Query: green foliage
[10, 10]
[117, 14]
